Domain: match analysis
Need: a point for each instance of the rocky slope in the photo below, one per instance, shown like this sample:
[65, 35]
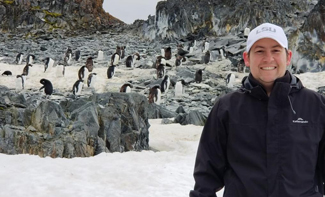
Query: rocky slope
[23, 16]
[188, 20]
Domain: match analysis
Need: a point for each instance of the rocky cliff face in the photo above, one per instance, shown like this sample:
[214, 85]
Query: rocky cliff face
[50, 15]
[179, 18]
[189, 19]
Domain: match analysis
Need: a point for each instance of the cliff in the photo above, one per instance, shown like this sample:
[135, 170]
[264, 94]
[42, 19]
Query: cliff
[22, 16]
[303, 22]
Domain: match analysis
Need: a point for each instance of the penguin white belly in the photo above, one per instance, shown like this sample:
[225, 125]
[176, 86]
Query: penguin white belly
[158, 100]
[59, 70]
[178, 89]
[128, 89]
[100, 55]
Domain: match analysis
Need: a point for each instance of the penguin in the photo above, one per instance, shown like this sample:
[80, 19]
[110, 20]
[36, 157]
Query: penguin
[7, 73]
[161, 70]
[77, 55]
[47, 85]
[19, 58]
[241, 66]
[30, 59]
[68, 57]
[60, 70]
[230, 80]
[126, 88]
[123, 52]
[131, 60]
[178, 61]
[90, 64]
[160, 60]
[82, 73]
[100, 55]
[206, 46]
[192, 46]
[26, 69]
[49, 62]
[223, 54]
[246, 32]
[111, 72]
[207, 57]
[179, 88]
[115, 59]
[77, 87]
[67, 60]
[118, 51]
[198, 76]
[20, 82]
[168, 53]
[155, 95]
[165, 84]
[91, 80]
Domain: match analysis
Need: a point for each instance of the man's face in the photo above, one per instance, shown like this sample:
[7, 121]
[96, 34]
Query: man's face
[267, 61]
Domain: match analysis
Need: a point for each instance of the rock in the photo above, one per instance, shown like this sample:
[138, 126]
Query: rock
[193, 117]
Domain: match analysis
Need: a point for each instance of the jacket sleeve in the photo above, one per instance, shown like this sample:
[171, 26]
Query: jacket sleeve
[210, 163]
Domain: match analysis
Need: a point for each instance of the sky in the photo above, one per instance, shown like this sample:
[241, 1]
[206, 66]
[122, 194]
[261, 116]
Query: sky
[163, 171]
[130, 10]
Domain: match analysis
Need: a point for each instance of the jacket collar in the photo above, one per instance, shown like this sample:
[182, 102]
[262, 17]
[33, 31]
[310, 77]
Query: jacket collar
[254, 88]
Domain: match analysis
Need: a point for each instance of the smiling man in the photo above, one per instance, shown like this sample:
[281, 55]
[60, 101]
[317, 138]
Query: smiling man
[267, 138]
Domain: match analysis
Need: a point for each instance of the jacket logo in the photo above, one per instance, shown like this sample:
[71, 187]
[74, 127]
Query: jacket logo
[300, 121]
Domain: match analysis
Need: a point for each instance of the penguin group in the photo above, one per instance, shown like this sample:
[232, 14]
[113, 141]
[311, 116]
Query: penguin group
[170, 58]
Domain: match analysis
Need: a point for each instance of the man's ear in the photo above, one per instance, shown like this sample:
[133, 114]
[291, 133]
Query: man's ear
[289, 56]
[246, 58]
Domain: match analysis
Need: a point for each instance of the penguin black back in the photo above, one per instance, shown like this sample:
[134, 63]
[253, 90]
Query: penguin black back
[30, 58]
[7, 72]
[90, 64]
[161, 71]
[81, 72]
[207, 57]
[125, 87]
[129, 61]
[154, 94]
[77, 87]
[47, 85]
[26, 69]
[77, 55]
[165, 84]
[123, 51]
[168, 53]
[19, 58]
[90, 79]
[198, 76]
[110, 72]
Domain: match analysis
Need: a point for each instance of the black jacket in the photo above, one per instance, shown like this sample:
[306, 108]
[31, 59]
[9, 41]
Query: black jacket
[260, 146]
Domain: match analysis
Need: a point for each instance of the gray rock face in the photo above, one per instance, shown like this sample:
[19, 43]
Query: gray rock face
[189, 20]
[33, 16]
[74, 128]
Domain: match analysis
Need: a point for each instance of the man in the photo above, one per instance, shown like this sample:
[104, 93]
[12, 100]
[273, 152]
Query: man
[267, 138]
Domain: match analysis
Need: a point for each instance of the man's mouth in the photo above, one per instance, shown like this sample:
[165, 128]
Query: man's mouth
[268, 68]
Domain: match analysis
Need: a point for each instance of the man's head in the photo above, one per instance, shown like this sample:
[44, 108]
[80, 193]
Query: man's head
[267, 53]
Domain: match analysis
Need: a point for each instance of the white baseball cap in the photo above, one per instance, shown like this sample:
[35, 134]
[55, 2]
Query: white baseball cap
[267, 30]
